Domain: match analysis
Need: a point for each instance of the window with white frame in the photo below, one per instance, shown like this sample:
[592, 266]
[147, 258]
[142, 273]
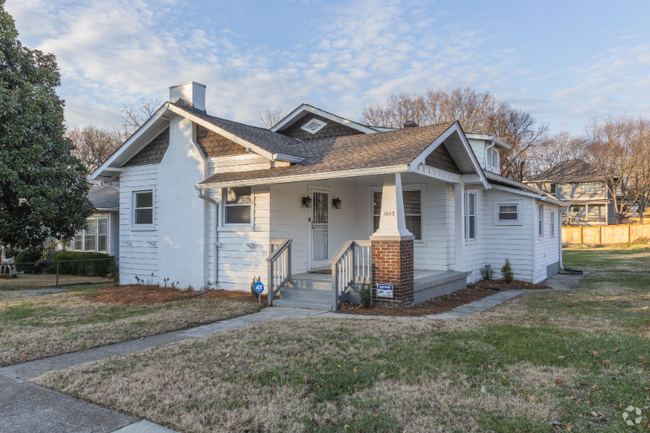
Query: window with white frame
[552, 224]
[143, 208]
[594, 187]
[493, 158]
[507, 213]
[93, 238]
[540, 218]
[238, 205]
[412, 211]
[470, 215]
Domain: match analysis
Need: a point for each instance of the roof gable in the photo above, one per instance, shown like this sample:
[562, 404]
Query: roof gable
[330, 129]
[153, 152]
[441, 158]
[305, 109]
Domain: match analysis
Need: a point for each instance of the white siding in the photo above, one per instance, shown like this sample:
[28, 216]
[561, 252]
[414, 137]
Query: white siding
[547, 247]
[138, 249]
[512, 242]
[239, 263]
[478, 146]
[474, 249]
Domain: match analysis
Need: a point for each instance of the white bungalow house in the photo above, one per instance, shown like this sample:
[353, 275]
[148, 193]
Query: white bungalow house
[214, 203]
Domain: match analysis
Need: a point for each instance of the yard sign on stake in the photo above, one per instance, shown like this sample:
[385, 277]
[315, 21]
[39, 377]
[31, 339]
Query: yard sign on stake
[384, 290]
[259, 288]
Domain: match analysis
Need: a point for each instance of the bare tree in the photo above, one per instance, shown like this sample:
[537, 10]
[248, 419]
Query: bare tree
[94, 145]
[134, 116]
[553, 150]
[269, 117]
[619, 148]
[478, 112]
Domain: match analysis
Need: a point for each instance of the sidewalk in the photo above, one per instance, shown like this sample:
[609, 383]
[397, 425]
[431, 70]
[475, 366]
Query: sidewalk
[28, 407]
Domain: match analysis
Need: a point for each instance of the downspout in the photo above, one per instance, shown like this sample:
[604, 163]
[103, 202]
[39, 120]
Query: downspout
[485, 154]
[202, 196]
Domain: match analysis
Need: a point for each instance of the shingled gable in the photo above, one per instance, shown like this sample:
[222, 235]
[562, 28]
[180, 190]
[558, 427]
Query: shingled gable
[305, 112]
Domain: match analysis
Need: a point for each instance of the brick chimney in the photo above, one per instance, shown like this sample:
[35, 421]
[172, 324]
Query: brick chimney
[190, 94]
[410, 124]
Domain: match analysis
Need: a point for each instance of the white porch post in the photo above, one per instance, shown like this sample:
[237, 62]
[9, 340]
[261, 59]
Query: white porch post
[392, 247]
[459, 213]
[392, 222]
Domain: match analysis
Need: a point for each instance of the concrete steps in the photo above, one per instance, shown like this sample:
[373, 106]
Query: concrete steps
[313, 292]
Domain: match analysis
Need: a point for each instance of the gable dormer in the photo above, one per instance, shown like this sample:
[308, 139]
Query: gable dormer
[487, 149]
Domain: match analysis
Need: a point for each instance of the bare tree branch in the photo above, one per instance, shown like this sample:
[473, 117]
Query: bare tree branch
[269, 117]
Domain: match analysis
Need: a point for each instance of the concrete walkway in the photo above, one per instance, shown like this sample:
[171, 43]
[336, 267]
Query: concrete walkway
[28, 407]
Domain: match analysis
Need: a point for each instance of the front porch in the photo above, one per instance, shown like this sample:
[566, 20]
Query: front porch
[314, 290]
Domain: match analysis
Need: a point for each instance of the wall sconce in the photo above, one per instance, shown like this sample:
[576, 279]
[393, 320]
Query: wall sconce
[306, 201]
[336, 203]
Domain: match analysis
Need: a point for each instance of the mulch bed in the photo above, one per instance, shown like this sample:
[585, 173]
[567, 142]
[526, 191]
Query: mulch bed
[442, 304]
[141, 295]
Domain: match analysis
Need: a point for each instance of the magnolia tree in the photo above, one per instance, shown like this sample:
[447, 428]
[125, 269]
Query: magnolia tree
[42, 185]
[619, 148]
[478, 112]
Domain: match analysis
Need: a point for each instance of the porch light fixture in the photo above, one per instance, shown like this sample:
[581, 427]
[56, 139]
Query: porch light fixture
[306, 201]
[336, 203]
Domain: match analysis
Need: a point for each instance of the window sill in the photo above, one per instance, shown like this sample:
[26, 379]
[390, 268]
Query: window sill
[508, 223]
[236, 228]
[142, 229]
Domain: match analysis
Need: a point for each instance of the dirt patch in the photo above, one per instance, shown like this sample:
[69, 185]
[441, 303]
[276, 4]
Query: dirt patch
[441, 304]
[141, 295]
[234, 294]
[515, 285]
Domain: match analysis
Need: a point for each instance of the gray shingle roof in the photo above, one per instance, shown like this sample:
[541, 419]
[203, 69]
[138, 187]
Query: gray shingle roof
[104, 197]
[574, 170]
[495, 179]
[352, 152]
[264, 138]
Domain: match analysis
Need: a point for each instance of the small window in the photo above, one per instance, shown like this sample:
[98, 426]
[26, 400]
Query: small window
[540, 220]
[412, 211]
[508, 212]
[93, 238]
[238, 205]
[552, 224]
[470, 215]
[143, 209]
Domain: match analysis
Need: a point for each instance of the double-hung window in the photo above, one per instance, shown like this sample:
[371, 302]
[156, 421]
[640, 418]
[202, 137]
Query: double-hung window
[540, 220]
[470, 215]
[93, 238]
[143, 208]
[412, 211]
[238, 205]
[552, 224]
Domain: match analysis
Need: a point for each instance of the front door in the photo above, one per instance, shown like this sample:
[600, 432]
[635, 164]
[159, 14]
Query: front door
[320, 230]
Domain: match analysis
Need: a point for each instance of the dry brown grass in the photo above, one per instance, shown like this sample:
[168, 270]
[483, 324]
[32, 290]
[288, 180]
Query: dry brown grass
[41, 326]
[214, 384]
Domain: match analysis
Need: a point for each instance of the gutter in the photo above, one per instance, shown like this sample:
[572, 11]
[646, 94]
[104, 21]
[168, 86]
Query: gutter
[202, 196]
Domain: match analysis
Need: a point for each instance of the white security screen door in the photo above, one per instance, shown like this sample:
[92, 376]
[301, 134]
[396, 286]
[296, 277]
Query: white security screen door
[320, 230]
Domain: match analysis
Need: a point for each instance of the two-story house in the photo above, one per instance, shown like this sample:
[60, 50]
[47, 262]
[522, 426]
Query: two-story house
[579, 183]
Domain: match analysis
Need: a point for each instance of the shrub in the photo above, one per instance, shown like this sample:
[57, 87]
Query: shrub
[82, 263]
[366, 296]
[506, 273]
[253, 292]
[27, 260]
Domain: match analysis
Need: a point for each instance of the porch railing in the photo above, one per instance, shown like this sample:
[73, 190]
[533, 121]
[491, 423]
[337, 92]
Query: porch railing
[351, 268]
[279, 268]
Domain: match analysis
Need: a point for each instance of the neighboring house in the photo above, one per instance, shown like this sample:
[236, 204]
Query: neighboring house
[214, 203]
[102, 232]
[579, 183]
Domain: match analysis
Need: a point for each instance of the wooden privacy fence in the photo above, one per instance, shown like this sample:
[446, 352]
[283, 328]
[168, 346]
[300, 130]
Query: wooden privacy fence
[593, 235]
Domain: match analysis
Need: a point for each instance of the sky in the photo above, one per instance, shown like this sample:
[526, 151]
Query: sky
[566, 62]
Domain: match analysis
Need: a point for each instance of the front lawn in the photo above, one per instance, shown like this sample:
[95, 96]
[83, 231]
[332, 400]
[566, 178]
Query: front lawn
[541, 362]
[33, 327]
[619, 257]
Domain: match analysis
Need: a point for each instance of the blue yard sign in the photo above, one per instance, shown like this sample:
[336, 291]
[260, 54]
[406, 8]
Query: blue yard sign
[384, 290]
[259, 287]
